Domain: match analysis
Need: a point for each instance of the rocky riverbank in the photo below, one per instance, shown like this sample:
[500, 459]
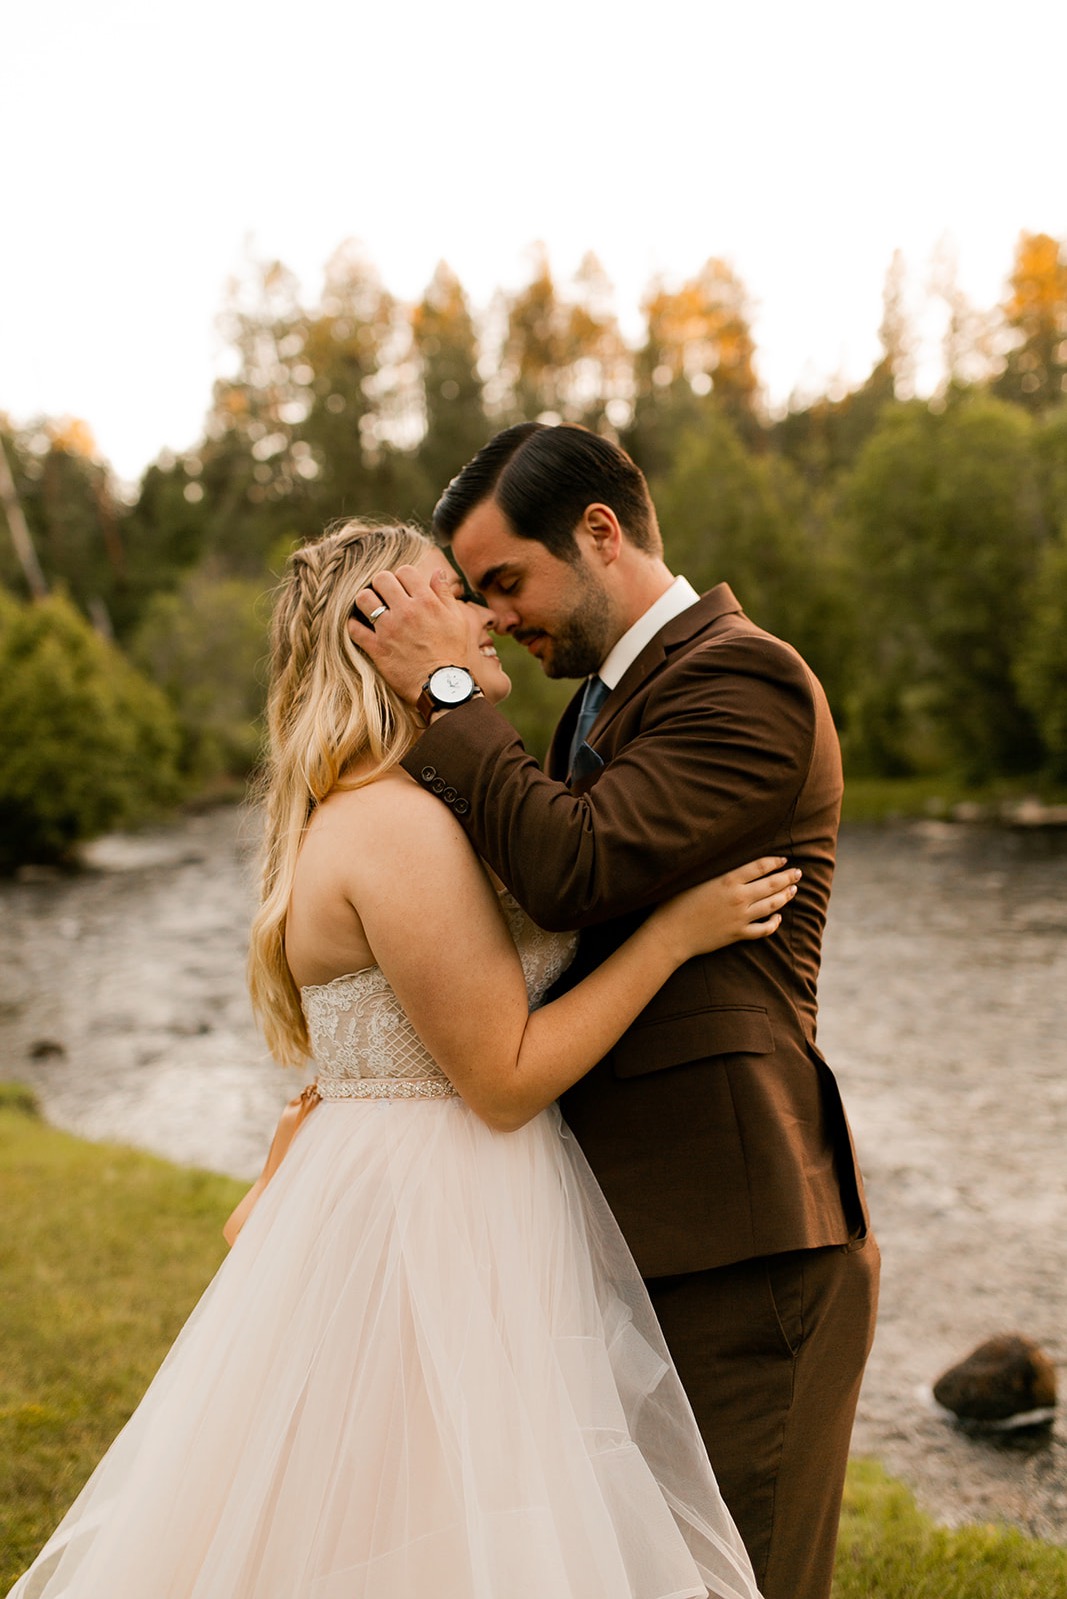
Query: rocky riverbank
[945, 1015]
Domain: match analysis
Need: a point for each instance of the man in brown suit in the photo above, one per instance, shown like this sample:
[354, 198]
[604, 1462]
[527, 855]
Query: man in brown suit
[714, 1127]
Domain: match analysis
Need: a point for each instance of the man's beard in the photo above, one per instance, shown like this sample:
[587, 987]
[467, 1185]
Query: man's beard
[582, 638]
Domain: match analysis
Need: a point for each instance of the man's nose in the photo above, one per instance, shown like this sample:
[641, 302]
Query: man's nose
[504, 621]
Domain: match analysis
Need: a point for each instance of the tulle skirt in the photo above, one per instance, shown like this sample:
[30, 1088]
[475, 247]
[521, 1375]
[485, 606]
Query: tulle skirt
[427, 1368]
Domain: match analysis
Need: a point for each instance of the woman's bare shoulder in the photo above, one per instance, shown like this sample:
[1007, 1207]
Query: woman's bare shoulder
[393, 815]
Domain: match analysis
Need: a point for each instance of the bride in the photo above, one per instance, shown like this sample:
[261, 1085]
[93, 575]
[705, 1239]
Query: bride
[428, 1366]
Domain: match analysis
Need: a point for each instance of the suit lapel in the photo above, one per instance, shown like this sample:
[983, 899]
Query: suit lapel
[681, 630]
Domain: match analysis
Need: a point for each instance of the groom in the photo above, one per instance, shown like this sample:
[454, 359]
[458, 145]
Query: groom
[714, 1126]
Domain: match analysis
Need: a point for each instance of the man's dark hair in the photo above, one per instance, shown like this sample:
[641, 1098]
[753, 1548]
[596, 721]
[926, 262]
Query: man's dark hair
[542, 478]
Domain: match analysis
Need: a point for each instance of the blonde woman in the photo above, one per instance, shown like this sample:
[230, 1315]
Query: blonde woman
[428, 1366]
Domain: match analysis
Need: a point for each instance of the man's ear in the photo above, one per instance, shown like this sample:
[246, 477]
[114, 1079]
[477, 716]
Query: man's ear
[602, 527]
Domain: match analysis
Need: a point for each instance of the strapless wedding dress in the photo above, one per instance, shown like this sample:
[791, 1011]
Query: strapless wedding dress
[427, 1370]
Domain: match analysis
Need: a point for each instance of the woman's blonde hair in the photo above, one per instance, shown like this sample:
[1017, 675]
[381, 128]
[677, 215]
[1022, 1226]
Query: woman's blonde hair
[327, 705]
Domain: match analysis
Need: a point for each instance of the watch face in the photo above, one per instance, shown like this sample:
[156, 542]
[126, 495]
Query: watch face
[451, 685]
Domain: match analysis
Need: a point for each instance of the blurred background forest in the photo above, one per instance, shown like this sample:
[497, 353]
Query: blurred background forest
[913, 549]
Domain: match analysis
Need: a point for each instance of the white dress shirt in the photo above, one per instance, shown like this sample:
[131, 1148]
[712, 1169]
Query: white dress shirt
[671, 603]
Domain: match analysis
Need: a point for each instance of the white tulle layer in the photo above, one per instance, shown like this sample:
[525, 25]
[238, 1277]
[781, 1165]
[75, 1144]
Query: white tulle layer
[428, 1368]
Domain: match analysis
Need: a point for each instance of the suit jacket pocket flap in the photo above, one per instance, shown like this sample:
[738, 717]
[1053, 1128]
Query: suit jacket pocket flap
[653, 1046]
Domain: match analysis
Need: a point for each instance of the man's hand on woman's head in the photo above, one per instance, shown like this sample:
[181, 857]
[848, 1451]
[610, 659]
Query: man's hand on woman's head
[420, 628]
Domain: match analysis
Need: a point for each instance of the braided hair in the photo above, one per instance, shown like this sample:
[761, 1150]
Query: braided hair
[327, 706]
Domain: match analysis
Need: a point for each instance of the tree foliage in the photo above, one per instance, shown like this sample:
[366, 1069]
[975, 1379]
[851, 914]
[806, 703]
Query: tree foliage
[946, 536]
[73, 514]
[913, 550]
[447, 349]
[701, 332]
[1035, 318]
[562, 357]
[89, 744]
[1041, 661]
[204, 645]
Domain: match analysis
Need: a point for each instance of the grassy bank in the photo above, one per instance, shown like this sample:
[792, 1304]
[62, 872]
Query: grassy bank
[888, 1549]
[105, 1251]
[103, 1254]
[881, 799]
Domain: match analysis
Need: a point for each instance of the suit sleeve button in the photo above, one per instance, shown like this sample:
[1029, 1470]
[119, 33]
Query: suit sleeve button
[461, 807]
[449, 796]
[429, 773]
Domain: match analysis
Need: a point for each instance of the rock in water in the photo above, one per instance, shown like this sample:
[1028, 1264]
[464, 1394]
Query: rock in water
[46, 1049]
[1006, 1376]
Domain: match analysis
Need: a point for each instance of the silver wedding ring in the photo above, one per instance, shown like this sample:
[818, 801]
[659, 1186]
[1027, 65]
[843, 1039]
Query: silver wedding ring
[379, 610]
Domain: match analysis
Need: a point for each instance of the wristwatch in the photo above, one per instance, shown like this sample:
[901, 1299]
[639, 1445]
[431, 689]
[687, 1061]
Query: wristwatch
[444, 689]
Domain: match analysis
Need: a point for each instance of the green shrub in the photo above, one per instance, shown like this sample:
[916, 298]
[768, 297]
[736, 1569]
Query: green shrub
[1041, 665]
[87, 743]
[945, 527]
[205, 645]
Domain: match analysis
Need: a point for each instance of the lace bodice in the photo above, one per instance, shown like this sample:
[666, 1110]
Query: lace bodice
[363, 1045]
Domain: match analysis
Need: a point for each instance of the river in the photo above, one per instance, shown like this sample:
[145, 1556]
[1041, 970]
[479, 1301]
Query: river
[944, 1014]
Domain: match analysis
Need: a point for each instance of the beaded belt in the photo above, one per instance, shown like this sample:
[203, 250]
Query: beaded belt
[385, 1088]
[297, 1111]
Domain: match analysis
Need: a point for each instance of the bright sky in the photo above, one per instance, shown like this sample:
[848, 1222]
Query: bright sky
[149, 147]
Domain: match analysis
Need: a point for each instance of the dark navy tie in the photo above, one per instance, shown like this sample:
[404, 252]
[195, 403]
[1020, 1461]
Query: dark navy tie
[596, 692]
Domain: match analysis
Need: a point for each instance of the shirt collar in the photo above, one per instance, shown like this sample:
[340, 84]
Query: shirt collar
[678, 598]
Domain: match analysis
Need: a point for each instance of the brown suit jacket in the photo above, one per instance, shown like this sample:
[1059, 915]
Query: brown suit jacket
[714, 1126]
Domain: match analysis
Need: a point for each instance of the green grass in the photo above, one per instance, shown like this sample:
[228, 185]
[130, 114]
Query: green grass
[103, 1254]
[889, 1550]
[880, 799]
